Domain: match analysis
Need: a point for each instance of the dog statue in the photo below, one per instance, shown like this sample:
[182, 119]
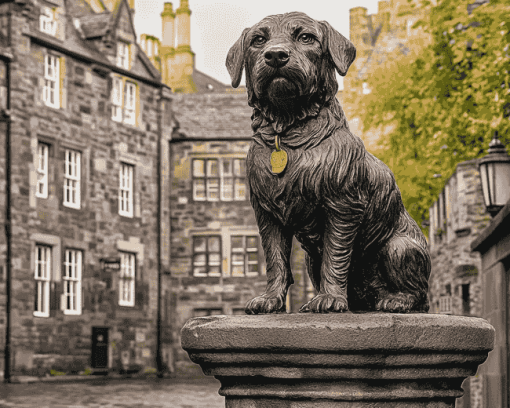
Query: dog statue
[311, 178]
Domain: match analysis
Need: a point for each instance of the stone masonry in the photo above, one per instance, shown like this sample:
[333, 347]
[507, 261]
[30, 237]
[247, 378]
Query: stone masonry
[58, 341]
[456, 218]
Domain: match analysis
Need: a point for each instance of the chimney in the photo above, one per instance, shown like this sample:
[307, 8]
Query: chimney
[167, 20]
[183, 25]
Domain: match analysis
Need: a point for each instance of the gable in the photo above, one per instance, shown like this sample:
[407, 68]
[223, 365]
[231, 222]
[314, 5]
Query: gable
[124, 27]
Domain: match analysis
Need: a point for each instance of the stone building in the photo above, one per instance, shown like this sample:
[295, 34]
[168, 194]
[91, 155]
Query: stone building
[493, 244]
[456, 218]
[380, 39]
[85, 126]
[173, 57]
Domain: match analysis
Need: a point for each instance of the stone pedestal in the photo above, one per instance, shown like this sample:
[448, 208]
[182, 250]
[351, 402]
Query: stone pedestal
[339, 360]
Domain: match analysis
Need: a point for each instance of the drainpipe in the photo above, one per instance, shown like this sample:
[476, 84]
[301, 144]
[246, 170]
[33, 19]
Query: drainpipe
[8, 219]
[159, 357]
[6, 117]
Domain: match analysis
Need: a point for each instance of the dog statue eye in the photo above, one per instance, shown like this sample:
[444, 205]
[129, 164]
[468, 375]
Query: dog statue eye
[259, 40]
[306, 38]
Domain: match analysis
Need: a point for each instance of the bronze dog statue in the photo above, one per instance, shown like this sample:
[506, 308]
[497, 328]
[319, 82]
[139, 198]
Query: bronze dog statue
[311, 178]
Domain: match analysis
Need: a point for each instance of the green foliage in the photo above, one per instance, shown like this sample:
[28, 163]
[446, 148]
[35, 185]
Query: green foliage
[56, 373]
[443, 101]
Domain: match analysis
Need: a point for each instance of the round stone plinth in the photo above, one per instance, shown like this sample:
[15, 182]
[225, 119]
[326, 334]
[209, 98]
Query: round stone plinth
[339, 360]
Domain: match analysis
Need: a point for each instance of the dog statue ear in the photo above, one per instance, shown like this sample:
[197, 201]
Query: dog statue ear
[235, 59]
[342, 51]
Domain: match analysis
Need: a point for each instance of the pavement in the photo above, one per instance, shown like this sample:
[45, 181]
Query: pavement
[102, 393]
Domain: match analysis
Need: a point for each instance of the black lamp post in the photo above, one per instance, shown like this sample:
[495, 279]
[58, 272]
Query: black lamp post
[495, 176]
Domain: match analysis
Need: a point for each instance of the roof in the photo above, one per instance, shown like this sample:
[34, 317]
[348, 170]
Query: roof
[84, 31]
[207, 84]
[212, 116]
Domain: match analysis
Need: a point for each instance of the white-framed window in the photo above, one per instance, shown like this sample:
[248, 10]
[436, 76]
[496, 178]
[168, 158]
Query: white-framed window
[245, 255]
[156, 49]
[129, 103]
[51, 92]
[207, 255]
[72, 177]
[123, 100]
[149, 48]
[126, 189]
[122, 55]
[42, 170]
[47, 22]
[117, 99]
[71, 302]
[42, 280]
[445, 304]
[218, 179]
[127, 279]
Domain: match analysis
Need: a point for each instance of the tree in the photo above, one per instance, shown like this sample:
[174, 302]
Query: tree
[442, 102]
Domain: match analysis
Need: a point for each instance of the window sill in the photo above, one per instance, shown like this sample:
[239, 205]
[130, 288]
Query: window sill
[72, 313]
[41, 314]
[72, 207]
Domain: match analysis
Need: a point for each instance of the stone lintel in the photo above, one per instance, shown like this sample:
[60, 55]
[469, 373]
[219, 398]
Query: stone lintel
[339, 360]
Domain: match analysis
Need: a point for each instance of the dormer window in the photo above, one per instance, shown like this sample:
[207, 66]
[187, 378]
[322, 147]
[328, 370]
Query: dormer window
[47, 23]
[122, 55]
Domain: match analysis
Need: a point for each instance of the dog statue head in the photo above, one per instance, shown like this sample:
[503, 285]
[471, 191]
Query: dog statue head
[290, 61]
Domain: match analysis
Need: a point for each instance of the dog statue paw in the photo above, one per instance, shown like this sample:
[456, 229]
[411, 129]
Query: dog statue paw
[325, 303]
[266, 304]
[337, 199]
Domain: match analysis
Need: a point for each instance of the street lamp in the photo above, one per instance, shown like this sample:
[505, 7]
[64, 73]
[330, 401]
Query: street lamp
[495, 176]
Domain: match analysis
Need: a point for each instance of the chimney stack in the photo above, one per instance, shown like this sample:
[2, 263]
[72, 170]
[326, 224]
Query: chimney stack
[183, 25]
[167, 20]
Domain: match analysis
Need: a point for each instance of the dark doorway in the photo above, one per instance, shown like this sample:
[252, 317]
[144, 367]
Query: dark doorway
[100, 347]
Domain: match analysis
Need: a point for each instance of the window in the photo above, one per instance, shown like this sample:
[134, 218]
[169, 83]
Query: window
[207, 255]
[72, 282]
[117, 99]
[129, 103]
[51, 93]
[219, 179]
[47, 23]
[122, 55]
[156, 49]
[445, 304]
[245, 256]
[72, 175]
[42, 280]
[127, 279]
[123, 101]
[126, 190]
[42, 170]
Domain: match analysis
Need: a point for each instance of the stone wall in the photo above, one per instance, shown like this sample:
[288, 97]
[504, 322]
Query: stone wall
[456, 218]
[63, 342]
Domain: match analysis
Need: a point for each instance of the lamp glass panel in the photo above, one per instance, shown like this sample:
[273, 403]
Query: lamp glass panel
[502, 183]
[485, 184]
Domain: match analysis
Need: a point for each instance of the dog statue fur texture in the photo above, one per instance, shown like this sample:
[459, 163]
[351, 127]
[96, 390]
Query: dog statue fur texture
[311, 178]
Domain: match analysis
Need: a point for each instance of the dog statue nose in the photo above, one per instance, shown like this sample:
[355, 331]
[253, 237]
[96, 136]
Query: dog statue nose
[277, 57]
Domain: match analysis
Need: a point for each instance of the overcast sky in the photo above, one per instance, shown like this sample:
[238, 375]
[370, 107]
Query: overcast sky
[216, 25]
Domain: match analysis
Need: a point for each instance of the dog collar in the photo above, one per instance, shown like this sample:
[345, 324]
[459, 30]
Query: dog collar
[278, 157]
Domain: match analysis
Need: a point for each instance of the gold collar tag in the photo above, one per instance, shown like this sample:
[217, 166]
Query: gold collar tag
[278, 157]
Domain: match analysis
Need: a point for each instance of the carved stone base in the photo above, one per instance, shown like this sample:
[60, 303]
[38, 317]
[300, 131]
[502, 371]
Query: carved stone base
[339, 360]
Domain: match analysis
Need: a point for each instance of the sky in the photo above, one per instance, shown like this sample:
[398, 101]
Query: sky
[216, 25]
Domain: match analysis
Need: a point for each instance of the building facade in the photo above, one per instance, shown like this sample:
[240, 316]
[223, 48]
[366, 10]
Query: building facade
[86, 124]
[493, 244]
[456, 218]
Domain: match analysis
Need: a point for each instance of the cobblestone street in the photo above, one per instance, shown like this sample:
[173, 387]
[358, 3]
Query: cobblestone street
[154, 393]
